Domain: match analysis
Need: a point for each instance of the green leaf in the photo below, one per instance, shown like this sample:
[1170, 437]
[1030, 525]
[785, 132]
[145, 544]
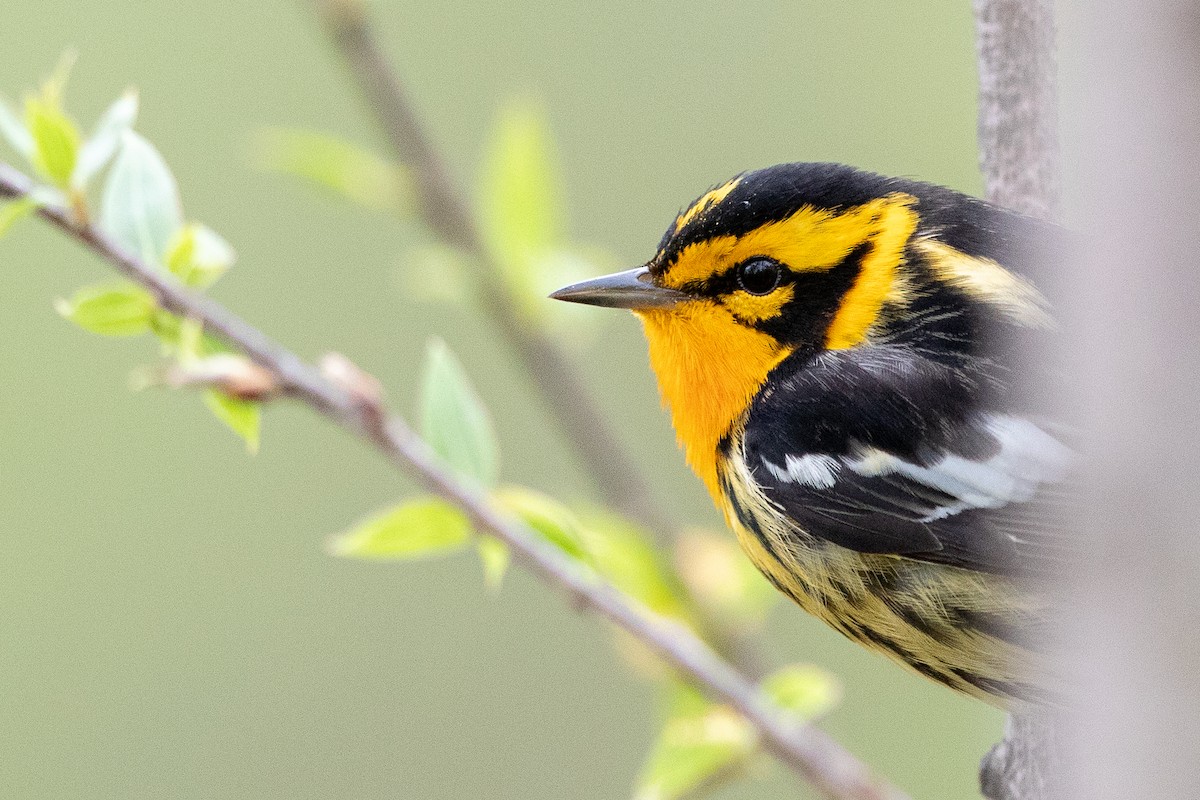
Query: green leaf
[140, 207]
[698, 743]
[623, 554]
[14, 131]
[495, 557]
[198, 255]
[805, 690]
[241, 416]
[122, 310]
[418, 528]
[103, 143]
[337, 166]
[521, 201]
[454, 420]
[546, 516]
[14, 212]
[55, 138]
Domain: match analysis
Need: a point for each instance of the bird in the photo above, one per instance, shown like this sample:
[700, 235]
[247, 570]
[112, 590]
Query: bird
[845, 357]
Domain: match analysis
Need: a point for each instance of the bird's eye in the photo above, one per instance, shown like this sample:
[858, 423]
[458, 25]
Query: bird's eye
[759, 275]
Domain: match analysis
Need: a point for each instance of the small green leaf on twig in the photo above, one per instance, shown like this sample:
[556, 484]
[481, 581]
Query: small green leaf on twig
[104, 141]
[623, 554]
[55, 139]
[454, 420]
[198, 255]
[698, 743]
[338, 166]
[546, 516]
[243, 417]
[122, 310]
[418, 528]
[805, 690]
[140, 208]
[14, 212]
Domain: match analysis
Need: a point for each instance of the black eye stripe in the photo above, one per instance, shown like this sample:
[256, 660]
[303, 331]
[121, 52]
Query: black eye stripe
[728, 282]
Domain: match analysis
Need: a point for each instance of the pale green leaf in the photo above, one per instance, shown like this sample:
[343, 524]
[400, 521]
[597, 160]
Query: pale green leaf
[337, 166]
[521, 201]
[198, 255]
[241, 416]
[624, 554]
[122, 310]
[805, 690]
[418, 528]
[495, 557]
[546, 516]
[698, 743]
[102, 144]
[140, 207]
[13, 130]
[14, 212]
[454, 420]
[55, 139]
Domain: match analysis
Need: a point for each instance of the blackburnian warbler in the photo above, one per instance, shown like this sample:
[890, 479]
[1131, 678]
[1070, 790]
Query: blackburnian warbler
[834, 347]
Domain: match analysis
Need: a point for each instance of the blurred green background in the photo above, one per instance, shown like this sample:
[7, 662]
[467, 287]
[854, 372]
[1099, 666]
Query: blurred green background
[171, 625]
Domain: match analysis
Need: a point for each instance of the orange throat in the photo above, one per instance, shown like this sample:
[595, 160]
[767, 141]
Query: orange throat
[709, 368]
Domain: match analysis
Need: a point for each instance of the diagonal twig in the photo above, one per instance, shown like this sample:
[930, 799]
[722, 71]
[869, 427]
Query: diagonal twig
[442, 207]
[805, 748]
[1019, 157]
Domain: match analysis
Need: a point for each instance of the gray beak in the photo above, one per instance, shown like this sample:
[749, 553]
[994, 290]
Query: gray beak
[629, 289]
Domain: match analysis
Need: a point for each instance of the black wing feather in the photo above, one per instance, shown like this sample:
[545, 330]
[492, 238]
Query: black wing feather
[951, 483]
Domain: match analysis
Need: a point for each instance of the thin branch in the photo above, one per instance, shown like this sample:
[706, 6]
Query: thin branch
[1019, 156]
[449, 216]
[805, 748]
[1018, 104]
[443, 208]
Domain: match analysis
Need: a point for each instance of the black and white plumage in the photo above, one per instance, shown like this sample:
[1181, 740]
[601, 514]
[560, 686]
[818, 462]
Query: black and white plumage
[881, 451]
[855, 366]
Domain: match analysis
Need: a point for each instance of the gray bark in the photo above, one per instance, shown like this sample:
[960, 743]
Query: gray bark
[1019, 156]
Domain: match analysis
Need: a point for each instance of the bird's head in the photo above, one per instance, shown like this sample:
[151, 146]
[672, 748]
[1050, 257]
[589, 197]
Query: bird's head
[793, 257]
[802, 255]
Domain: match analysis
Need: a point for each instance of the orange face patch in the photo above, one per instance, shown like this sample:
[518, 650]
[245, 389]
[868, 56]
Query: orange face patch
[709, 367]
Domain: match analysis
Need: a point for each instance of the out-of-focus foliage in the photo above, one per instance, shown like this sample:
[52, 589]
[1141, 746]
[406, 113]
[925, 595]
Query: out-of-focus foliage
[418, 528]
[521, 212]
[338, 166]
[140, 210]
[454, 421]
[120, 310]
[723, 580]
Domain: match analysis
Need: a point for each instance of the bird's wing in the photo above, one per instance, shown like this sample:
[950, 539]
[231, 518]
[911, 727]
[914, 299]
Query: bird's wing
[980, 491]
